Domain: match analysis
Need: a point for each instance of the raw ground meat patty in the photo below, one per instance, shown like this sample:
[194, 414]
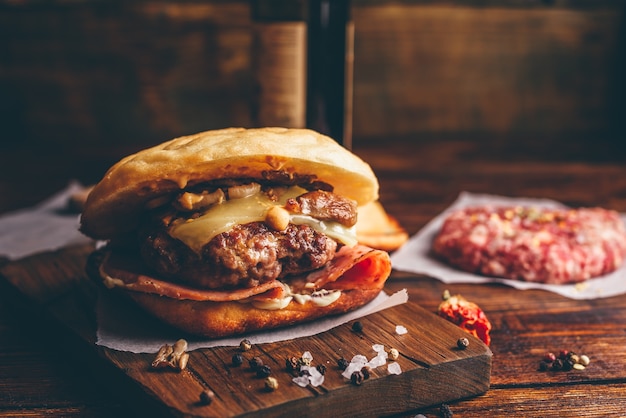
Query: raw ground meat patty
[533, 244]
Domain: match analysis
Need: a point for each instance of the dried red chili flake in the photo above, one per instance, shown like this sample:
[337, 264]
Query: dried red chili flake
[467, 315]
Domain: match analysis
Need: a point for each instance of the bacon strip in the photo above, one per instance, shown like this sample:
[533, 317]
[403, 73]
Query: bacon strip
[357, 267]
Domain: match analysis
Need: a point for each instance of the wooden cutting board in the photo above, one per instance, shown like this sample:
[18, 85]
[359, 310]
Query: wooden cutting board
[434, 370]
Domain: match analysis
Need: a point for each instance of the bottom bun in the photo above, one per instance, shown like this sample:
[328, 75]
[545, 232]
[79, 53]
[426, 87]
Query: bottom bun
[359, 273]
[220, 319]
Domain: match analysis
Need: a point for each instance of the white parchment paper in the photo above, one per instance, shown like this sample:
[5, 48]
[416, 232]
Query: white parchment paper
[45, 227]
[415, 256]
[124, 327]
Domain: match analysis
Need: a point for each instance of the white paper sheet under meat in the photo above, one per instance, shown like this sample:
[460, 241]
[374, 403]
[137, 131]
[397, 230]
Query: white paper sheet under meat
[414, 256]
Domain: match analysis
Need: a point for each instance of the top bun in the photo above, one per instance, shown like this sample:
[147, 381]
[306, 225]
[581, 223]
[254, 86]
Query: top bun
[117, 201]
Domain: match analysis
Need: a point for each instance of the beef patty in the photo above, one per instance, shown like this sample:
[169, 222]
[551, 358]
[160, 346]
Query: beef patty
[245, 256]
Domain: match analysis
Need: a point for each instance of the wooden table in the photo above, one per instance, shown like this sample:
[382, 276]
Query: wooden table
[44, 370]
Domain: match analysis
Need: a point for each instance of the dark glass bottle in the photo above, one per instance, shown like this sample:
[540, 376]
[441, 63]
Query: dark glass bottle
[303, 58]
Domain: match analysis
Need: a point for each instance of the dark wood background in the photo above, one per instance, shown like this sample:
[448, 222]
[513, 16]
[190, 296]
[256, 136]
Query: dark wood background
[108, 72]
[92, 81]
[516, 97]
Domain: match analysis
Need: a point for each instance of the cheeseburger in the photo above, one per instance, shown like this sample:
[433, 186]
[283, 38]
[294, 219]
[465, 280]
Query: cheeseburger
[236, 230]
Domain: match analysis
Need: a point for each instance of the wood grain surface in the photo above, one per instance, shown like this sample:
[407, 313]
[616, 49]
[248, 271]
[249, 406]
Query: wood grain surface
[143, 71]
[434, 369]
[46, 371]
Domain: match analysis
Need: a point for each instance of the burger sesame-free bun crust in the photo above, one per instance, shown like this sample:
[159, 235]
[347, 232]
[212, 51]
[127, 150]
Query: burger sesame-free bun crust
[116, 202]
[220, 319]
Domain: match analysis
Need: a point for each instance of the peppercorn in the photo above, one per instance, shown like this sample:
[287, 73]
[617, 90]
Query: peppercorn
[557, 364]
[544, 365]
[245, 345]
[575, 358]
[292, 364]
[366, 371]
[462, 343]
[321, 368]
[357, 326]
[549, 357]
[271, 384]
[207, 396]
[342, 363]
[263, 371]
[445, 411]
[394, 354]
[357, 378]
[237, 359]
[568, 364]
[566, 360]
[255, 363]
[304, 372]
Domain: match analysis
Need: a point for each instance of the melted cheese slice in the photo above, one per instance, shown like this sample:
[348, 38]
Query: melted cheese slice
[196, 233]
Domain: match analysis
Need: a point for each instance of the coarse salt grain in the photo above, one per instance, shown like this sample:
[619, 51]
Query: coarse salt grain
[315, 377]
[379, 360]
[302, 381]
[394, 368]
[356, 364]
[359, 358]
[378, 348]
[400, 330]
[376, 362]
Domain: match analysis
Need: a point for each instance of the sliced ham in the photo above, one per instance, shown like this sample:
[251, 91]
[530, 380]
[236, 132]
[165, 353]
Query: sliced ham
[122, 272]
[357, 267]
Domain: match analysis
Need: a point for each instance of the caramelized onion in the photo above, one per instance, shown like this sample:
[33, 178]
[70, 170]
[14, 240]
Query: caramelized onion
[192, 201]
[244, 190]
